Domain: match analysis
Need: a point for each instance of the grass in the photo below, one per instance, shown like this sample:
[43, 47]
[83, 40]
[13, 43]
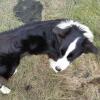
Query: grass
[35, 80]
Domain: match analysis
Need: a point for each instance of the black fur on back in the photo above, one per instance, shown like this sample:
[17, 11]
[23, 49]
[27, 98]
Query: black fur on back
[34, 38]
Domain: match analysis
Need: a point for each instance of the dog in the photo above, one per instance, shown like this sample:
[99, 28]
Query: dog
[62, 40]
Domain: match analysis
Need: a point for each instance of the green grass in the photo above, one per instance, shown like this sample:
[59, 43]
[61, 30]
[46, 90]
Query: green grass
[35, 80]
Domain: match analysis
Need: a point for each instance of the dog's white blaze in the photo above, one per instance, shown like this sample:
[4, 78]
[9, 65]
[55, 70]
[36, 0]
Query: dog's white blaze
[66, 24]
[5, 90]
[63, 62]
[71, 47]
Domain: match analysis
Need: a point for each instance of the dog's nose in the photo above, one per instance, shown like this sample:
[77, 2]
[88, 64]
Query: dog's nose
[58, 69]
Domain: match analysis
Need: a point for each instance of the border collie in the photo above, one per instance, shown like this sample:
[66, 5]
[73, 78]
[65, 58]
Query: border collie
[62, 40]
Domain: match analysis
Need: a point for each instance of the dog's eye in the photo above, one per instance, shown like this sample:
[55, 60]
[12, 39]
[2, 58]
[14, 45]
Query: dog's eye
[69, 57]
[62, 52]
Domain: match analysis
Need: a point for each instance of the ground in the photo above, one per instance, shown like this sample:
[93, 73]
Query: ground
[35, 80]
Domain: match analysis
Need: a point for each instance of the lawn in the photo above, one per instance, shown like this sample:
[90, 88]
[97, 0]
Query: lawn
[35, 80]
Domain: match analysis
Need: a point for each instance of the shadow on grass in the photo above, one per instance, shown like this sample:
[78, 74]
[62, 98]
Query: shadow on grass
[28, 10]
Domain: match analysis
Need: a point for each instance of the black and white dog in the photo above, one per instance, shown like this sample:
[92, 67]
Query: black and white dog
[62, 40]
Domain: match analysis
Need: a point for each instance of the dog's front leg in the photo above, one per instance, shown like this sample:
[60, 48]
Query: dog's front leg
[15, 71]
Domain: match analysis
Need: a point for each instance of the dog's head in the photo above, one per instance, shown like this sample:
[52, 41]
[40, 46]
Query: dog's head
[76, 39]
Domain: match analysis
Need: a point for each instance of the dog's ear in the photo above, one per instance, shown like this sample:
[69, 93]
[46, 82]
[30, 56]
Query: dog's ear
[61, 32]
[89, 47]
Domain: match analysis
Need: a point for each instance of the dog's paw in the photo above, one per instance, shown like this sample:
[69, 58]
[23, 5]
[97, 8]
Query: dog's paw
[5, 90]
